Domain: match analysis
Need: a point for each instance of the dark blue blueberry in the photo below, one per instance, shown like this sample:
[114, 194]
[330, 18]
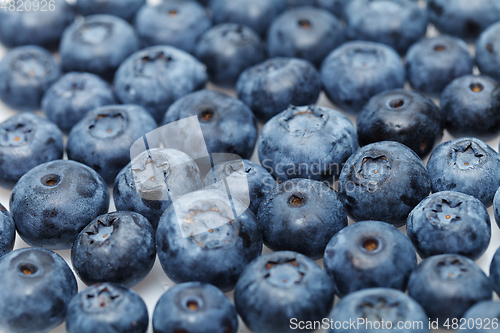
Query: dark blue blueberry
[449, 223]
[305, 32]
[199, 238]
[301, 215]
[126, 9]
[103, 138]
[34, 22]
[357, 71]
[398, 23]
[481, 318]
[194, 307]
[157, 76]
[368, 308]
[496, 206]
[27, 140]
[37, 286]
[227, 124]
[383, 181]
[177, 23]
[26, 72]
[270, 87]
[54, 201]
[279, 287]
[403, 116]
[107, 307]
[72, 96]
[117, 247]
[447, 285]
[495, 272]
[307, 142]
[466, 165]
[432, 63]
[227, 50]
[488, 51]
[97, 44]
[334, 6]
[7, 231]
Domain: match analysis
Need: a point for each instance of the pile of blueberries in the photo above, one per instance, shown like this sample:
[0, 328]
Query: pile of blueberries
[109, 74]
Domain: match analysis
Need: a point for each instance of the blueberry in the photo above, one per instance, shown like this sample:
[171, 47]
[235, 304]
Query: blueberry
[383, 181]
[496, 206]
[278, 287]
[201, 238]
[447, 285]
[306, 32]
[481, 317]
[227, 50]
[174, 22]
[466, 165]
[72, 96]
[357, 71]
[26, 72]
[27, 140]
[270, 87]
[54, 201]
[97, 44]
[301, 215]
[126, 9]
[307, 142]
[227, 124]
[398, 23]
[103, 138]
[488, 51]
[37, 286]
[157, 76]
[495, 272]
[449, 223]
[7, 231]
[403, 116]
[196, 308]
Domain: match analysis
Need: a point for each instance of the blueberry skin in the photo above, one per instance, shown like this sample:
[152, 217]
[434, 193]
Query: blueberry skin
[217, 256]
[301, 215]
[26, 72]
[306, 32]
[177, 23]
[97, 44]
[279, 286]
[107, 308]
[447, 285]
[449, 222]
[35, 27]
[376, 305]
[73, 95]
[488, 52]
[334, 6]
[103, 138]
[496, 206]
[126, 9]
[117, 247]
[487, 312]
[403, 116]
[256, 14]
[307, 142]
[156, 77]
[271, 86]
[383, 181]
[54, 201]
[227, 124]
[466, 165]
[357, 71]
[37, 285]
[495, 272]
[398, 23]
[7, 231]
[27, 140]
[227, 50]
[194, 307]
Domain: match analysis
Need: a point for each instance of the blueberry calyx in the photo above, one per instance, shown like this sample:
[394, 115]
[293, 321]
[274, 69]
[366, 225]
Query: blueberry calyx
[285, 273]
[152, 64]
[451, 269]
[50, 180]
[30, 66]
[94, 32]
[444, 212]
[468, 155]
[103, 297]
[108, 125]
[16, 135]
[304, 121]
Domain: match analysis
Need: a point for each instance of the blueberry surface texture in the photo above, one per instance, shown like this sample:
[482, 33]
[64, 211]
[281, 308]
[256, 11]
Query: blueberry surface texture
[126, 9]
[496, 206]
[270, 87]
[307, 142]
[488, 51]
[279, 286]
[466, 165]
[194, 307]
[449, 222]
[495, 272]
[383, 181]
[483, 312]
[54, 201]
[37, 286]
[27, 140]
[7, 231]
[403, 116]
[357, 71]
[447, 285]
[26, 72]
